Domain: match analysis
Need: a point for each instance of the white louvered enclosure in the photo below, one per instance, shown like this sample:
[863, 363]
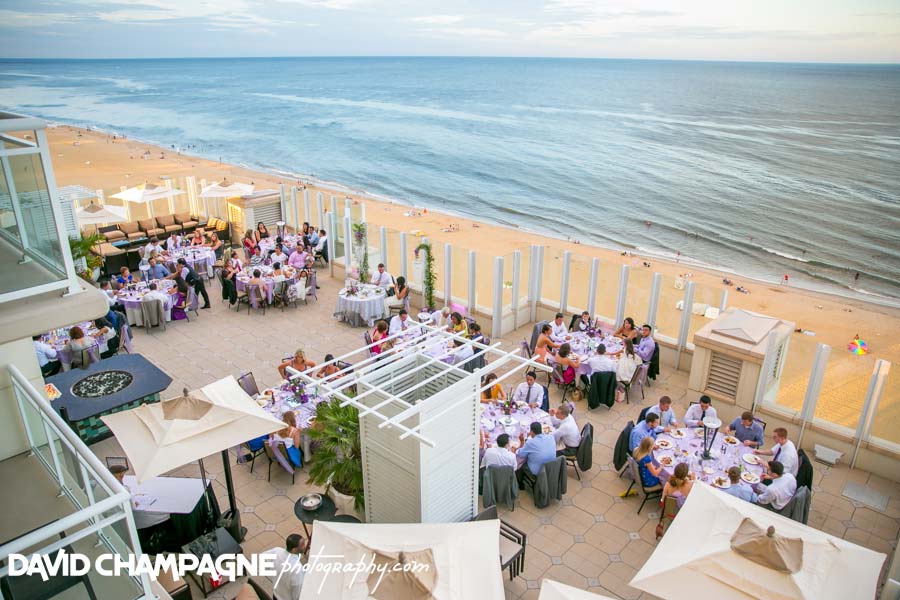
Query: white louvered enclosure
[418, 425]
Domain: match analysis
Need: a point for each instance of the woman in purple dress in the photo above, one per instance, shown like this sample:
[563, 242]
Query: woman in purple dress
[180, 293]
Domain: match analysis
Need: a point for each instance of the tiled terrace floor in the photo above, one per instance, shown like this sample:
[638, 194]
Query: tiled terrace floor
[592, 539]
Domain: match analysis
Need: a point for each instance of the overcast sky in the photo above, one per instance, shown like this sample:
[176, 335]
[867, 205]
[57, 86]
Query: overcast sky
[782, 30]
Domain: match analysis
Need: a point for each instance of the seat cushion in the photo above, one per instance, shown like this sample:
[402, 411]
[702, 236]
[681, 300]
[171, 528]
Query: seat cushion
[165, 220]
[173, 228]
[187, 224]
[210, 223]
[182, 218]
[114, 235]
[130, 227]
[156, 231]
[147, 224]
[508, 550]
[137, 235]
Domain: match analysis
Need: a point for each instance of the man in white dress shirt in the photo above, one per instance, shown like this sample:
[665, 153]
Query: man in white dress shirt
[667, 418]
[152, 247]
[500, 455]
[529, 391]
[154, 294]
[601, 363]
[781, 490]
[558, 329]
[382, 278]
[48, 357]
[697, 412]
[400, 322]
[566, 432]
[288, 560]
[783, 452]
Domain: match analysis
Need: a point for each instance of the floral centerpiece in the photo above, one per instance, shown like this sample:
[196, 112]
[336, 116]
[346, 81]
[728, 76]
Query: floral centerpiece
[296, 387]
[352, 290]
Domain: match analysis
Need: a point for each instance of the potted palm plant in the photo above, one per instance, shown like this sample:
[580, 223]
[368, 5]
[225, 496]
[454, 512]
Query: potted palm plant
[337, 462]
[81, 249]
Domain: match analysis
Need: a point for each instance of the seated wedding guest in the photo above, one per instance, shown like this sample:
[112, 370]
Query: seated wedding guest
[290, 435]
[313, 238]
[679, 485]
[567, 362]
[257, 282]
[461, 353]
[249, 242]
[401, 292]
[781, 490]
[197, 238]
[475, 332]
[626, 330]
[647, 344]
[153, 248]
[180, 294]
[783, 451]
[499, 455]
[540, 448]
[256, 258]
[118, 471]
[278, 256]
[747, 429]
[156, 271]
[529, 391]
[738, 488]
[379, 333]
[277, 271]
[646, 428]
[458, 325]
[666, 413]
[442, 318]
[544, 344]
[400, 322]
[110, 296]
[107, 334]
[382, 278]
[643, 454]
[328, 369]
[584, 323]
[298, 362]
[125, 277]
[601, 362]
[261, 232]
[229, 272]
[297, 259]
[566, 434]
[697, 412]
[321, 243]
[288, 580]
[153, 293]
[173, 242]
[558, 330]
[493, 391]
[48, 357]
[78, 342]
[215, 244]
[235, 262]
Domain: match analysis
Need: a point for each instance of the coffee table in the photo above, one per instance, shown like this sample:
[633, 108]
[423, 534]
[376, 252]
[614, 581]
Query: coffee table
[215, 543]
[325, 512]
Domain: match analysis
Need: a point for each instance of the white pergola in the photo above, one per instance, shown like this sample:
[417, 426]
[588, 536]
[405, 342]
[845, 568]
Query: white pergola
[432, 408]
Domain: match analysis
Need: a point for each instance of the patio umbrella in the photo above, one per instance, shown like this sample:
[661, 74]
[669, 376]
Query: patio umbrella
[704, 555]
[554, 590]
[146, 193]
[224, 189]
[94, 214]
[463, 560]
[163, 436]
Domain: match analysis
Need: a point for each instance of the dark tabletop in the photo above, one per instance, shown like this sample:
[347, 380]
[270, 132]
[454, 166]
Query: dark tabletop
[323, 513]
[148, 380]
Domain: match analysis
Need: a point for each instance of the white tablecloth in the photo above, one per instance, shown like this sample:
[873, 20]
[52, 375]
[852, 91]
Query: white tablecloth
[361, 308]
[157, 498]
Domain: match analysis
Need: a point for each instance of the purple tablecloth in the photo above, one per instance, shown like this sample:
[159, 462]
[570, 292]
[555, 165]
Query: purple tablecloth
[690, 448]
[492, 426]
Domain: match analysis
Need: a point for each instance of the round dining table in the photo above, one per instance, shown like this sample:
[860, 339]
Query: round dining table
[584, 346]
[242, 280]
[199, 258]
[59, 340]
[131, 297]
[494, 422]
[685, 445]
[364, 307]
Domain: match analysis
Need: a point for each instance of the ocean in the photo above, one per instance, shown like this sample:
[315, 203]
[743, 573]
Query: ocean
[757, 168]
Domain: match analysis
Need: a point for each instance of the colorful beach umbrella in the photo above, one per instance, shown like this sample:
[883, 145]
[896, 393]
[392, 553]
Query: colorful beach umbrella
[858, 347]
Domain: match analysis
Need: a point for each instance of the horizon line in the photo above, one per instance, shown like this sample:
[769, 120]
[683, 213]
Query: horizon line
[460, 56]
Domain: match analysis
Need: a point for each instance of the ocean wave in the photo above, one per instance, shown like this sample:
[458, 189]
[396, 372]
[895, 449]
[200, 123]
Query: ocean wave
[784, 255]
[119, 82]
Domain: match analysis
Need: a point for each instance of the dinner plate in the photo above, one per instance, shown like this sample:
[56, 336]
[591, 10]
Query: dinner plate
[709, 470]
[750, 477]
[750, 459]
[677, 433]
[666, 460]
[722, 483]
[664, 443]
[731, 440]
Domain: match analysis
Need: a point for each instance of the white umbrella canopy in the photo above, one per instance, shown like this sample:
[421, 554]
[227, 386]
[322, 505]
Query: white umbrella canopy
[226, 190]
[695, 558]
[163, 436]
[554, 590]
[146, 192]
[466, 559]
[94, 214]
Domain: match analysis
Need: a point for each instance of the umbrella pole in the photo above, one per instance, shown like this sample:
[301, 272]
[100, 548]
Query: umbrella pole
[229, 483]
[205, 484]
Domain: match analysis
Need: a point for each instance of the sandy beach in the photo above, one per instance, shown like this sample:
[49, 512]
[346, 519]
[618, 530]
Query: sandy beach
[94, 160]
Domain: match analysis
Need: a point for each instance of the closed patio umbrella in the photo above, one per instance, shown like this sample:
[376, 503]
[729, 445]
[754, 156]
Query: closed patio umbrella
[164, 436]
[720, 546]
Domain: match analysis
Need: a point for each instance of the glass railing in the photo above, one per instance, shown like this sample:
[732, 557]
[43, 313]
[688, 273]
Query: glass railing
[607, 292]
[885, 431]
[579, 282]
[101, 520]
[551, 277]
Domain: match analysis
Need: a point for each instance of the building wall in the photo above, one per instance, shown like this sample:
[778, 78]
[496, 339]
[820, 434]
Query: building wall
[12, 434]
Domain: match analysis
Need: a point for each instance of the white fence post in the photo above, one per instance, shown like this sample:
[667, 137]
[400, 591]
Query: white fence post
[403, 254]
[382, 240]
[516, 276]
[564, 283]
[654, 300]
[685, 321]
[592, 287]
[348, 252]
[448, 278]
[470, 301]
[307, 214]
[320, 211]
[497, 317]
[764, 369]
[723, 300]
[623, 295]
[870, 406]
[282, 200]
[816, 374]
[298, 224]
[332, 243]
